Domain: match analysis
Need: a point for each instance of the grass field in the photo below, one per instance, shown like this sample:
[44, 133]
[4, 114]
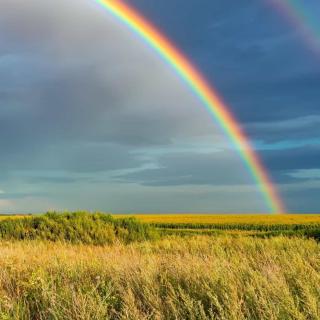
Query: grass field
[93, 266]
[195, 278]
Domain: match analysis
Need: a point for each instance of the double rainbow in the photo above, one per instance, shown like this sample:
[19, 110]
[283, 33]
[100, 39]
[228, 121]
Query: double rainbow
[138, 24]
[305, 21]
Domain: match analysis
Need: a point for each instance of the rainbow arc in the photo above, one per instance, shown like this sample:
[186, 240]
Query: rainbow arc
[209, 97]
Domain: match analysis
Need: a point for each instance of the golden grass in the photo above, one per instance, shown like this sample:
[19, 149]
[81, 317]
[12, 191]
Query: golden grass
[228, 219]
[192, 278]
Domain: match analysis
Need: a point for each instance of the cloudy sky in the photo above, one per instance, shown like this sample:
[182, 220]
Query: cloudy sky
[91, 118]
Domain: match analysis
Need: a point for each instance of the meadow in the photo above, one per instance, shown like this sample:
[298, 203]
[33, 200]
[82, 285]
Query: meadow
[96, 266]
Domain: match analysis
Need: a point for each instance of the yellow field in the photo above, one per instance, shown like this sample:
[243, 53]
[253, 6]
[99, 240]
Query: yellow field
[214, 218]
[14, 216]
[227, 219]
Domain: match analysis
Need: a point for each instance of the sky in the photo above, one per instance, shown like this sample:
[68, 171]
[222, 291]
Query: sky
[91, 118]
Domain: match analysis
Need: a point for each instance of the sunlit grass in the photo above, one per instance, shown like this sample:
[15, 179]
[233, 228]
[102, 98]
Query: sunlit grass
[191, 278]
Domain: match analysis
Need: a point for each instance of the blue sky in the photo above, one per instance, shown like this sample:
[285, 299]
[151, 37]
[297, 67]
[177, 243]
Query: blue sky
[91, 118]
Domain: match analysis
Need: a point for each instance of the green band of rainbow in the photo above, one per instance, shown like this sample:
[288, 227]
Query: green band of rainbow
[203, 90]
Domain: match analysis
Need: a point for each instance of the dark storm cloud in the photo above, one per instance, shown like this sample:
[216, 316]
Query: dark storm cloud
[265, 72]
[258, 61]
[279, 98]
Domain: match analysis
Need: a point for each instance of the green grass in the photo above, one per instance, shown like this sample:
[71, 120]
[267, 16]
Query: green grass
[77, 227]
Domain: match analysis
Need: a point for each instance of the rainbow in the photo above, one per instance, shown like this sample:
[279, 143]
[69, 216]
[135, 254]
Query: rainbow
[184, 68]
[301, 18]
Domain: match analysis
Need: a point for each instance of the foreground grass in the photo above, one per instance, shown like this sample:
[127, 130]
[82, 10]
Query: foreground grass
[177, 278]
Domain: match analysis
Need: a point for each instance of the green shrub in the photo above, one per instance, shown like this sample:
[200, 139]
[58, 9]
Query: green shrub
[76, 227]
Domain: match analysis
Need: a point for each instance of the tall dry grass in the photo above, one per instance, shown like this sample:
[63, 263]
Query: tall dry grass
[190, 278]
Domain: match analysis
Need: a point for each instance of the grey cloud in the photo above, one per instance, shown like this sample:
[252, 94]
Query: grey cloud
[261, 65]
[80, 157]
[302, 197]
[286, 164]
[306, 157]
[81, 99]
[68, 80]
[219, 168]
[290, 129]
[14, 196]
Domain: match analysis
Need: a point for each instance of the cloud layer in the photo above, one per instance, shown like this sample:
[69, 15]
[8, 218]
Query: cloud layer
[88, 112]
[91, 118]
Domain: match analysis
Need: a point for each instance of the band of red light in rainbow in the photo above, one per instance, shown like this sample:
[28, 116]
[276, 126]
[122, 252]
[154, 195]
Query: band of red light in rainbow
[204, 91]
